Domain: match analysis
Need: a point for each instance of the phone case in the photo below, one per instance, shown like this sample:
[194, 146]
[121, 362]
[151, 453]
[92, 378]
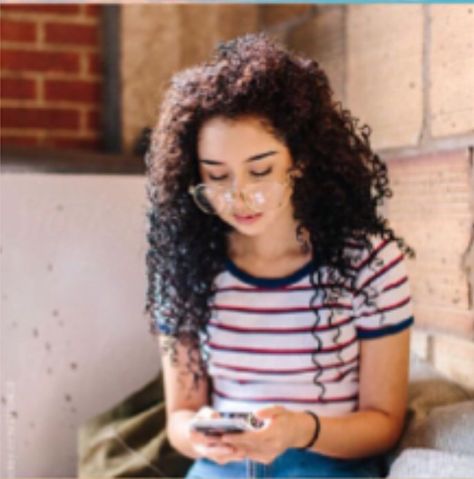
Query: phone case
[219, 426]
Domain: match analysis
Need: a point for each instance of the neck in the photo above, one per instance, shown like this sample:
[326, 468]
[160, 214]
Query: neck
[277, 241]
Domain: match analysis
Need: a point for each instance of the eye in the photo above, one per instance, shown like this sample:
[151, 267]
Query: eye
[262, 173]
[217, 178]
[253, 173]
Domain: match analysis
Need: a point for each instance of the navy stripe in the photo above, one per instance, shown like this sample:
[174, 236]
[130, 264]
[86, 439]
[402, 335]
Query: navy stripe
[365, 333]
[269, 282]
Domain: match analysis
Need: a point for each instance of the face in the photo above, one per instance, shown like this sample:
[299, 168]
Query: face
[242, 152]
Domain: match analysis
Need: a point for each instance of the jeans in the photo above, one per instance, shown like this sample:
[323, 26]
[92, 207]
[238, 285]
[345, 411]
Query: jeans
[292, 463]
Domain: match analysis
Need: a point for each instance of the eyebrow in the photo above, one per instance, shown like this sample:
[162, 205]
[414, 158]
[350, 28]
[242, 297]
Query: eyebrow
[257, 157]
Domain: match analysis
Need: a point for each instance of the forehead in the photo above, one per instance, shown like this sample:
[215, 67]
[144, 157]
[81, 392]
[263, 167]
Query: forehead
[220, 138]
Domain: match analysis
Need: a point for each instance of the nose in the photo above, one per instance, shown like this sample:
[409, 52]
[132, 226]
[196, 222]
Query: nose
[238, 197]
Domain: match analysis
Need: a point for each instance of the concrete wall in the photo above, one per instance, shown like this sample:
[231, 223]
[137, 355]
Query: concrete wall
[74, 339]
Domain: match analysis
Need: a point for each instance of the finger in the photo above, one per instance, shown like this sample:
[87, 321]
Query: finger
[235, 455]
[237, 442]
[207, 412]
[243, 439]
[213, 452]
[205, 439]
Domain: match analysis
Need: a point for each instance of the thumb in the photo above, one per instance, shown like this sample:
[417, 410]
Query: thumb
[269, 412]
[208, 412]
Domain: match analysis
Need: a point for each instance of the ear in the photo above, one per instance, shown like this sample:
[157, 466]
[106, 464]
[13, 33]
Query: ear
[295, 172]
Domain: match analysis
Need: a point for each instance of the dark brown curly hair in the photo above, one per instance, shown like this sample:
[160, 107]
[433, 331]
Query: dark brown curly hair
[335, 199]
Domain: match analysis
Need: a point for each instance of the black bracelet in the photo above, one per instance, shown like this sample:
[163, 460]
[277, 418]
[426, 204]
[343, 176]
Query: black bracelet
[316, 431]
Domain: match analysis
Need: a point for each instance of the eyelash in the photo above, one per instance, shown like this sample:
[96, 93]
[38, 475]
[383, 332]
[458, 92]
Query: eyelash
[254, 173]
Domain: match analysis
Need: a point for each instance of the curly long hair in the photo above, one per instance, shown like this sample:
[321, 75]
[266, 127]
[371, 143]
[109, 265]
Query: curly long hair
[335, 199]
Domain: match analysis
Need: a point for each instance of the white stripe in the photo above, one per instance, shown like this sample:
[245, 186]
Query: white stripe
[289, 361]
[281, 320]
[326, 375]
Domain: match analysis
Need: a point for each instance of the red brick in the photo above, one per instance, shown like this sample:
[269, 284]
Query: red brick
[39, 118]
[75, 90]
[20, 88]
[94, 64]
[71, 34]
[23, 140]
[92, 10]
[93, 120]
[14, 31]
[25, 8]
[80, 143]
[22, 60]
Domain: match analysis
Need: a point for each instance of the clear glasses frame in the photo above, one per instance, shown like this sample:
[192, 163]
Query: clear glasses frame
[257, 197]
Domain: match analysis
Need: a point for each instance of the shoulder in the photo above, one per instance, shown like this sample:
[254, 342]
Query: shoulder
[380, 258]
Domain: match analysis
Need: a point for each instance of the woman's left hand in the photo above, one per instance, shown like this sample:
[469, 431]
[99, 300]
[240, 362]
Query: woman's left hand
[268, 442]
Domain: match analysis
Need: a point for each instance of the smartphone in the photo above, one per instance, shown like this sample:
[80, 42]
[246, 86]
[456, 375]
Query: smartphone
[231, 423]
[218, 426]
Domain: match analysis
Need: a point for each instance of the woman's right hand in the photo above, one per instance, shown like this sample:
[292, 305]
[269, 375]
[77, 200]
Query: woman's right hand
[211, 447]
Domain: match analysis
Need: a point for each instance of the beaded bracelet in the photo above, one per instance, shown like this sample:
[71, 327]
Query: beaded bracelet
[316, 431]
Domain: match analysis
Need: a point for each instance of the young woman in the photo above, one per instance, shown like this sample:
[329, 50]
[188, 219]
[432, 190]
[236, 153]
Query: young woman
[275, 285]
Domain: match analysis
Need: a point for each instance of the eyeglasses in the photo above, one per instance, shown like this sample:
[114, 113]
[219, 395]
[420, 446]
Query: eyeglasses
[258, 197]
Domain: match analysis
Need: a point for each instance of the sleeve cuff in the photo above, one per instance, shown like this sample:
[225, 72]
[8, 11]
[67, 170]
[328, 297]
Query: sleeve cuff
[366, 333]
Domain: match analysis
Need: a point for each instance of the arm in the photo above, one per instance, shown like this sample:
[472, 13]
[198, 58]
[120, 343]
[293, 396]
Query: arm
[181, 398]
[376, 426]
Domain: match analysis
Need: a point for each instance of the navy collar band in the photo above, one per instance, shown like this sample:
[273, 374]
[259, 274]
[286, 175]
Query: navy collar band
[269, 282]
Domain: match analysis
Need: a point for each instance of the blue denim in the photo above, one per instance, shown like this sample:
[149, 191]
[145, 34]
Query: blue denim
[294, 463]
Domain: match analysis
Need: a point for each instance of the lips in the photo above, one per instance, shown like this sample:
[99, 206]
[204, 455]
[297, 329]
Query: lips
[247, 218]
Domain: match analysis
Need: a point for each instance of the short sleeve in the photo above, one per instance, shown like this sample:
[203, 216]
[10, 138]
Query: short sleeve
[383, 275]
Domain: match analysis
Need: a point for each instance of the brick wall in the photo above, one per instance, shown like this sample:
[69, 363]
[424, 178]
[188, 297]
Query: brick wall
[51, 76]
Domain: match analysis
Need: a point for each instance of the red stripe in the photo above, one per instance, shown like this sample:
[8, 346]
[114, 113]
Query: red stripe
[387, 308]
[305, 329]
[372, 254]
[395, 284]
[283, 371]
[346, 373]
[300, 309]
[384, 270]
[336, 347]
[288, 399]
[337, 378]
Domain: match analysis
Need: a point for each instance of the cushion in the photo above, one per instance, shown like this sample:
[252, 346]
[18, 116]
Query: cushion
[429, 463]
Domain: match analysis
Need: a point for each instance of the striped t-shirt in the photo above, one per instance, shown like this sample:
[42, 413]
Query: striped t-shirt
[265, 344]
